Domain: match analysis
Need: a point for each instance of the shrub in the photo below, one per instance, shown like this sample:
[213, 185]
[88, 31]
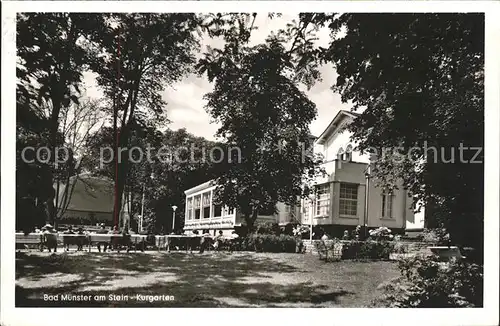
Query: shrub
[288, 229]
[400, 247]
[301, 231]
[427, 282]
[437, 236]
[367, 249]
[269, 228]
[381, 233]
[329, 250]
[271, 243]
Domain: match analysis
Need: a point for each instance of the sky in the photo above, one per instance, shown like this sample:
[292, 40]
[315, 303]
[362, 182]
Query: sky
[186, 106]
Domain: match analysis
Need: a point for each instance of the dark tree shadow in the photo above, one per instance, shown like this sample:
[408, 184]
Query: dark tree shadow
[211, 280]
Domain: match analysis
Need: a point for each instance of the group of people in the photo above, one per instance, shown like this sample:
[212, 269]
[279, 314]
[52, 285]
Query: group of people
[218, 242]
[49, 238]
[115, 243]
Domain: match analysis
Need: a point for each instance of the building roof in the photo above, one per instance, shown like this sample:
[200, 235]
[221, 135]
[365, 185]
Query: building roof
[200, 187]
[334, 124]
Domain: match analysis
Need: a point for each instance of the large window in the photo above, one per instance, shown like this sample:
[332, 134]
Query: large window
[387, 205]
[217, 210]
[348, 199]
[305, 209]
[348, 154]
[197, 209]
[190, 208]
[322, 200]
[206, 205]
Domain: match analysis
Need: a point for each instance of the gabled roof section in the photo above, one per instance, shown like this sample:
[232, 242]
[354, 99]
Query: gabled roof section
[200, 187]
[335, 124]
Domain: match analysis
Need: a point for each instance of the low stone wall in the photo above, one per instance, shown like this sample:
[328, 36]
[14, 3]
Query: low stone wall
[402, 248]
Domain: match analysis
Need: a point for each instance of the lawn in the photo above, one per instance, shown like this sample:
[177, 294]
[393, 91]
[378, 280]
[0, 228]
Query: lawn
[197, 280]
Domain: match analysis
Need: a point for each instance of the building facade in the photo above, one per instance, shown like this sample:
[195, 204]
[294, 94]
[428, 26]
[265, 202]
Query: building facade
[345, 197]
[89, 201]
[206, 216]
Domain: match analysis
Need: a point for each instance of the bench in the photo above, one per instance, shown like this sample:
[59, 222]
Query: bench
[29, 240]
[37, 240]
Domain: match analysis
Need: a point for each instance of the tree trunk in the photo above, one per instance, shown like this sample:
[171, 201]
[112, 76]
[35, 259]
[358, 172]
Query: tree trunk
[121, 171]
[250, 220]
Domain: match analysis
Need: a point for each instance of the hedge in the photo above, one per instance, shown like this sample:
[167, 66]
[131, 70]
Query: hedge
[367, 249]
[271, 243]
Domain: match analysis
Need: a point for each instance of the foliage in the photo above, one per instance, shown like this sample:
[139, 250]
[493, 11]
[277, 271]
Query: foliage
[301, 231]
[163, 178]
[356, 232]
[329, 250]
[367, 249]
[437, 236]
[268, 228]
[381, 233]
[143, 53]
[428, 283]
[270, 243]
[264, 114]
[427, 71]
[53, 50]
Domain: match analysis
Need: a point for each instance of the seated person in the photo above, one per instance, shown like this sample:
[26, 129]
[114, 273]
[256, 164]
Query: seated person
[126, 238]
[49, 237]
[113, 243]
[68, 240]
[81, 238]
[219, 240]
[102, 230]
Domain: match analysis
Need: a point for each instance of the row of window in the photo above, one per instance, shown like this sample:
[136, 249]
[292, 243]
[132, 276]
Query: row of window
[348, 201]
[199, 207]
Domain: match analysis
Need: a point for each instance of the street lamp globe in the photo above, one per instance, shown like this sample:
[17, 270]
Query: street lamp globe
[174, 208]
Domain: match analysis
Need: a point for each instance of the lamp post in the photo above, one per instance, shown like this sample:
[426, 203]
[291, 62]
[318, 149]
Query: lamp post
[139, 227]
[141, 217]
[367, 198]
[311, 211]
[173, 217]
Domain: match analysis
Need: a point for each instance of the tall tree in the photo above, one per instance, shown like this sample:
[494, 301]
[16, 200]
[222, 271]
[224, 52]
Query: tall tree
[263, 113]
[78, 122]
[420, 78]
[171, 162]
[144, 53]
[53, 49]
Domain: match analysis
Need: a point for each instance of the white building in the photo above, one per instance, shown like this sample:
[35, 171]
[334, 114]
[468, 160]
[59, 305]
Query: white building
[342, 194]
